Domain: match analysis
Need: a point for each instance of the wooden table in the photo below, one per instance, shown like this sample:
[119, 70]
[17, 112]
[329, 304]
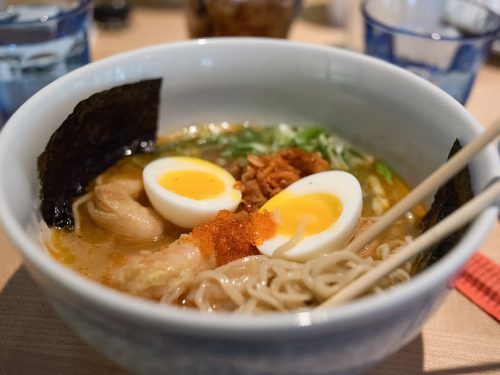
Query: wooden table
[459, 339]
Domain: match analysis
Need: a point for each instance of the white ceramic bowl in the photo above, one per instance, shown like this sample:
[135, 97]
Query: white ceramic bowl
[399, 117]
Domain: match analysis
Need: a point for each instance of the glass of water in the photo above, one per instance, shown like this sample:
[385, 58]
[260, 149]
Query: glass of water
[443, 41]
[39, 42]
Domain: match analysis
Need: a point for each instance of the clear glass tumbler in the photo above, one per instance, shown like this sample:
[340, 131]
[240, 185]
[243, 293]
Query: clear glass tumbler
[39, 42]
[265, 18]
[443, 41]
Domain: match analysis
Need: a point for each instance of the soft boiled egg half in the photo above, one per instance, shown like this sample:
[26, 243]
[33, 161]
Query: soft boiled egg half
[189, 191]
[314, 215]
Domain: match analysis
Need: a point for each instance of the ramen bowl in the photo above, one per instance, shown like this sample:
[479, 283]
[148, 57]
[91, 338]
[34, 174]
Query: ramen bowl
[382, 109]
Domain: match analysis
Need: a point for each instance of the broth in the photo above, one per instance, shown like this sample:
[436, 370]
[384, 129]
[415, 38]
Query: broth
[97, 253]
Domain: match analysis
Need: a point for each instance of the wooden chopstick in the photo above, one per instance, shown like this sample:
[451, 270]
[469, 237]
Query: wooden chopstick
[426, 187]
[445, 227]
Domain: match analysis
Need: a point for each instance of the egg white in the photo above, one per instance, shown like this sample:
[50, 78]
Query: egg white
[348, 190]
[183, 211]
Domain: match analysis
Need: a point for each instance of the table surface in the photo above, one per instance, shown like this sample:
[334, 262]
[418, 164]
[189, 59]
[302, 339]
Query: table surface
[459, 338]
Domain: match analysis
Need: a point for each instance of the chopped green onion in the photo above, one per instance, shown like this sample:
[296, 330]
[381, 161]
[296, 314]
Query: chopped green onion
[307, 134]
[283, 136]
[384, 171]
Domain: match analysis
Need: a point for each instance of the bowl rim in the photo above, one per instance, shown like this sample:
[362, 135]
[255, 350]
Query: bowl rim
[222, 324]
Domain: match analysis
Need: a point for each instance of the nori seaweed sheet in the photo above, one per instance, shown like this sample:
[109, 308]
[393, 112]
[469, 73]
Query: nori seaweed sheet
[101, 130]
[452, 195]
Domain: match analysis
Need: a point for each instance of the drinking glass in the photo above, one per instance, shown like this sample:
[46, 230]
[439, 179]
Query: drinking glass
[39, 42]
[263, 18]
[443, 41]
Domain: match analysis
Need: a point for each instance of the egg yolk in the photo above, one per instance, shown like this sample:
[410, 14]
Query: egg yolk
[193, 184]
[309, 213]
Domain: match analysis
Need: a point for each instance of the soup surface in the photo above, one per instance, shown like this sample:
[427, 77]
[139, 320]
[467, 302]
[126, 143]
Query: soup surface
[137, 265]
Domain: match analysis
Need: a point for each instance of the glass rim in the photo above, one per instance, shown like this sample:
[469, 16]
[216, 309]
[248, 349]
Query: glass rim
[432, 36]
[82, 6]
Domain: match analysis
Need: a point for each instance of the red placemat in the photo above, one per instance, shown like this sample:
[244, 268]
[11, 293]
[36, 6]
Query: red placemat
[480, 282]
